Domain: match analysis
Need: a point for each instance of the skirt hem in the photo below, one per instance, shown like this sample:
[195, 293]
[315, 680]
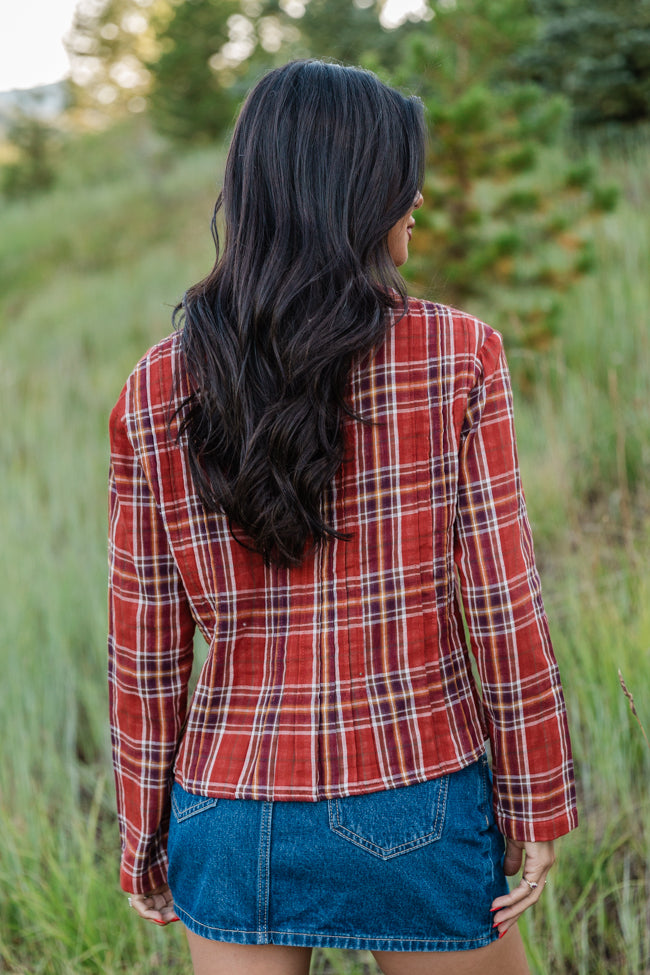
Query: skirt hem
[305, 939]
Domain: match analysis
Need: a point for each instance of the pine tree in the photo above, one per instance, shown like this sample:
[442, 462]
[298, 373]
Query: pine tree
[501, 229]
[597, 54]
[192, 97]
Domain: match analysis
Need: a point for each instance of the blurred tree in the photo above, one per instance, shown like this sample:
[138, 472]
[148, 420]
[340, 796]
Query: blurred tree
[213, 50]
[33, 168]
[501, 227]
[597, 54]
[109, 46]
[192, 96]
[350, 31]
[192, 61]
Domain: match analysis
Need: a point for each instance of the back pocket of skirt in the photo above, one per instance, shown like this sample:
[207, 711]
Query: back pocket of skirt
[185, 805]
[393, 821]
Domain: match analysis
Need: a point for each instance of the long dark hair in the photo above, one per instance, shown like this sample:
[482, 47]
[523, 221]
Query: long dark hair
[324, 160]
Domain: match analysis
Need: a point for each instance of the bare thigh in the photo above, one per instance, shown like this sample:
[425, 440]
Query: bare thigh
[503, 957]
[221, 958]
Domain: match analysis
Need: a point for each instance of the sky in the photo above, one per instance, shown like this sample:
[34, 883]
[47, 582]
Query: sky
[31, 39]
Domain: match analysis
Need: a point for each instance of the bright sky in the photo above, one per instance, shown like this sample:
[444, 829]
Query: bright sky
[31, 32]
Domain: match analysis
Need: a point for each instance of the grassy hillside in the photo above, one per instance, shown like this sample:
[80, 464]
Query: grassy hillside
[89, 274]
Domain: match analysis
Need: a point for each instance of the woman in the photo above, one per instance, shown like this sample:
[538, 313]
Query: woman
[315, 471]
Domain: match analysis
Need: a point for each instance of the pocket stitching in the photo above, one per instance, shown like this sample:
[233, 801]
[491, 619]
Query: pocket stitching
[202, 803]
[388, 853]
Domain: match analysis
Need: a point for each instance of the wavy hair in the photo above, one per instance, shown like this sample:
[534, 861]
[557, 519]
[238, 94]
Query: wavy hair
[324, 160]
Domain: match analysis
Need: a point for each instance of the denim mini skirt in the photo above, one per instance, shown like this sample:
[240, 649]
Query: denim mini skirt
[408, 869]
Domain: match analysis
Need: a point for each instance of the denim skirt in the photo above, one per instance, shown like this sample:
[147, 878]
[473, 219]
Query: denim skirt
[408, 869]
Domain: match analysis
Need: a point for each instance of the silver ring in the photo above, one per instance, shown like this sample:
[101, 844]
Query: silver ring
[130, 902]
[531, 883]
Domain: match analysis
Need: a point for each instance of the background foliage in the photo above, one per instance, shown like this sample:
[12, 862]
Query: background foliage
[90, 268]
[32, 169]
[598, 55]
[501, 222]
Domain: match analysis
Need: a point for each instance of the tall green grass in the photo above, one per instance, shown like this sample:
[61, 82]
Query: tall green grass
[89, 274]
[584, 439]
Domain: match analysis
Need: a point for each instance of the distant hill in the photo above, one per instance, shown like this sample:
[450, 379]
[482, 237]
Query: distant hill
[46, 102]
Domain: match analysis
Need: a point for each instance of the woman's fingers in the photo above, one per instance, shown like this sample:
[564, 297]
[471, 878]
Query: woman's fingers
[157, 906]
[538, 858]
[513, 857]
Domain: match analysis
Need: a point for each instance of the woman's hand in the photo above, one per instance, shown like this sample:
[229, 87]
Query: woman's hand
[538, 858]
[157, 906]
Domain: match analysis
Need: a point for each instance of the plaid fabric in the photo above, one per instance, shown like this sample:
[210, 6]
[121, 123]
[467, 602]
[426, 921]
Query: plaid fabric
[350, 673]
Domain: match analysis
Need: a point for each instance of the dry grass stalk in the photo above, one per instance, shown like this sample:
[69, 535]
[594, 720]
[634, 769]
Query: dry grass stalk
[630, 699]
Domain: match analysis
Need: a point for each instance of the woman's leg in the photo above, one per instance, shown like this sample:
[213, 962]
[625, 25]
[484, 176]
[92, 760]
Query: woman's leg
[503, 957]
[221, 958]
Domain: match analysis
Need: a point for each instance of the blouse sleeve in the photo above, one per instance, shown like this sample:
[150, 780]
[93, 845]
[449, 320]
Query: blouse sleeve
[150, 659]
[534, 793]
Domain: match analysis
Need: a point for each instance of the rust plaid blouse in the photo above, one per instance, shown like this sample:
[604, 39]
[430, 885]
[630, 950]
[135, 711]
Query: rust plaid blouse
[350, 673]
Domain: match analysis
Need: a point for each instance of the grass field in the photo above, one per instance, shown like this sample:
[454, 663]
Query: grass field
[88, 276]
